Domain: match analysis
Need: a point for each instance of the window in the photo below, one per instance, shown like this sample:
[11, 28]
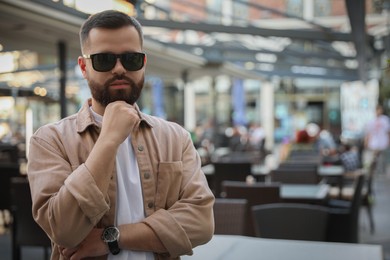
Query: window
[322, 8]
[294, 7]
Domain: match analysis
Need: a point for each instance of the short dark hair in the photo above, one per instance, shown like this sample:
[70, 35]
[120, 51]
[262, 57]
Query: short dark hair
[109, 19]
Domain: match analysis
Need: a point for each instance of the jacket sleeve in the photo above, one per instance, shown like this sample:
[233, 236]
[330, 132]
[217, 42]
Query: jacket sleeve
[184, 202]
[66, 201]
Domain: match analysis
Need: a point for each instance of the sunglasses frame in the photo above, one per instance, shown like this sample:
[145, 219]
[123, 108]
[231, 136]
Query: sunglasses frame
[121, 58]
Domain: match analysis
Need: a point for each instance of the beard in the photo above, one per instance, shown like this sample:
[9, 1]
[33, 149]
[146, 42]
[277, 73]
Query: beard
[102, 93]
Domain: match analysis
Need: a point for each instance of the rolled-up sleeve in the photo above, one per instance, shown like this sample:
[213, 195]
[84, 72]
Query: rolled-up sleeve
[57, 185]
[83, 188]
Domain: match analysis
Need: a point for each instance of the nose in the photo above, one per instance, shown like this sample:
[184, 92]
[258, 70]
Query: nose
[118, 69]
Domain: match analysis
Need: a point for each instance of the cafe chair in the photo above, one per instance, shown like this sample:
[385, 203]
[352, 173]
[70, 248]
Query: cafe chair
[294, 153]
[294, 221]
[368, 199]
[232, 171]
[230, 216]
[7, 171]
[9, 153]
[25, 231]
[295, 176]
[344, 215]
[298, 165]
[256, 194]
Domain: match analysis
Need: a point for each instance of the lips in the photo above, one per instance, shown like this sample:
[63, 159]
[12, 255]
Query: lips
[119, 84]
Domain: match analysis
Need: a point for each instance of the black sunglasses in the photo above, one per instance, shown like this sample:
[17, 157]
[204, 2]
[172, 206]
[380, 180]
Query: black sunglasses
[103, 62]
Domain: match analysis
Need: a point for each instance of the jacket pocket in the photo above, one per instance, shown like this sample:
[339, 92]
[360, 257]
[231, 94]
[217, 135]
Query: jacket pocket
[168, 183]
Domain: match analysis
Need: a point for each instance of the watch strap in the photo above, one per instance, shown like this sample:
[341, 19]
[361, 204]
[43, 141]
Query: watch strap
[114, 247]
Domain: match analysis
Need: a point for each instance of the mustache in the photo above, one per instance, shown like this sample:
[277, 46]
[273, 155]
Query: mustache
[118, 77]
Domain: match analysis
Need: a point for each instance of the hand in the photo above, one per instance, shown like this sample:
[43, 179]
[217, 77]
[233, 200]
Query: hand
[92, 246]
[118, 121]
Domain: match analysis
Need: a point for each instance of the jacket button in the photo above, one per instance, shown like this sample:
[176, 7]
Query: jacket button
[146, 175]
[150, 205]
[140, 148]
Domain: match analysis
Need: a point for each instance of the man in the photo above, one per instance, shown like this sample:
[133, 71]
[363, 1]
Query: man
[349, 157]
[376, 139]
[110, 181]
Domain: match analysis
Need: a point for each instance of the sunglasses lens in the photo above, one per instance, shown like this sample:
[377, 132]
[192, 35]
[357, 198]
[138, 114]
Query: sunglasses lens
[133, 61]
[103, 62]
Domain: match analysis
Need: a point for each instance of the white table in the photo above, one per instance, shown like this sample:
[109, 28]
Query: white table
[257, 169]
[228, 247]
[330, 170]
[309, 192]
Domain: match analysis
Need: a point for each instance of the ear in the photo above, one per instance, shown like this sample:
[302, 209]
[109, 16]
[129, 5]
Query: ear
[145, 60]
[82, 65]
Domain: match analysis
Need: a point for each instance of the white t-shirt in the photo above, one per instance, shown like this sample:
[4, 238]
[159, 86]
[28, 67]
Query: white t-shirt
[378, 133]
[129, 200]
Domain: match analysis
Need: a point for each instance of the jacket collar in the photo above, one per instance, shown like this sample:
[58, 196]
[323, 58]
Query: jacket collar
[86, 119]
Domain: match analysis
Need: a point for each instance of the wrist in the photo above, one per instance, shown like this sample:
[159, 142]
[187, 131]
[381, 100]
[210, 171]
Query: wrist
[108, 142]
[110, 236]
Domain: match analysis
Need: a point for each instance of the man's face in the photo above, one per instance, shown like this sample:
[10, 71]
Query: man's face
[118, 83]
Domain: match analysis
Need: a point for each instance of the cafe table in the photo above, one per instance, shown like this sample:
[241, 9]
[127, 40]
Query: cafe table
[332, 172]
[257, 169]
[232, 247]
[304, 193]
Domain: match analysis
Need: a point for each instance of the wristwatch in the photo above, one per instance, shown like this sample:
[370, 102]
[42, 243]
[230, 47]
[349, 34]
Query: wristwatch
[110, 236]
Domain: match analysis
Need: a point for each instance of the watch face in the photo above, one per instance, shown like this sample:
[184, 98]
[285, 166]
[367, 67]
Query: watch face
[110, 234]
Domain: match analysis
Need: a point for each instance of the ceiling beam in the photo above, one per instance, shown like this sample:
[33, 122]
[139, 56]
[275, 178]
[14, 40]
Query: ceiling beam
[330, 76]
[286, 52]
[356, 13]
[310, 35]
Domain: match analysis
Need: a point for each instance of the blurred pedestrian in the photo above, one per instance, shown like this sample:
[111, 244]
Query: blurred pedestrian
[256, 137]
[376, 140]
[349, 157]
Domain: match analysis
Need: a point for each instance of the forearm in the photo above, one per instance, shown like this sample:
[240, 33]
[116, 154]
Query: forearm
[140, 237]
[101, 162]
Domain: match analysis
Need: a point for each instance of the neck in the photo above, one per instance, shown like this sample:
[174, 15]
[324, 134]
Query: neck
[97, 107]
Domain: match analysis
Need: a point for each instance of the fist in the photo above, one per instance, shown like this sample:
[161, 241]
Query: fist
[119, 120]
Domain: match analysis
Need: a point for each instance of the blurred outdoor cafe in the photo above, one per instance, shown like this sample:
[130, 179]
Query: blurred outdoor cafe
[299, 192]
[296, 201]
[289, 204]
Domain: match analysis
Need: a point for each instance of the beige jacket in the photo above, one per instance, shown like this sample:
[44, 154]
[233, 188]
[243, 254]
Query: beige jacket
[67, 203]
